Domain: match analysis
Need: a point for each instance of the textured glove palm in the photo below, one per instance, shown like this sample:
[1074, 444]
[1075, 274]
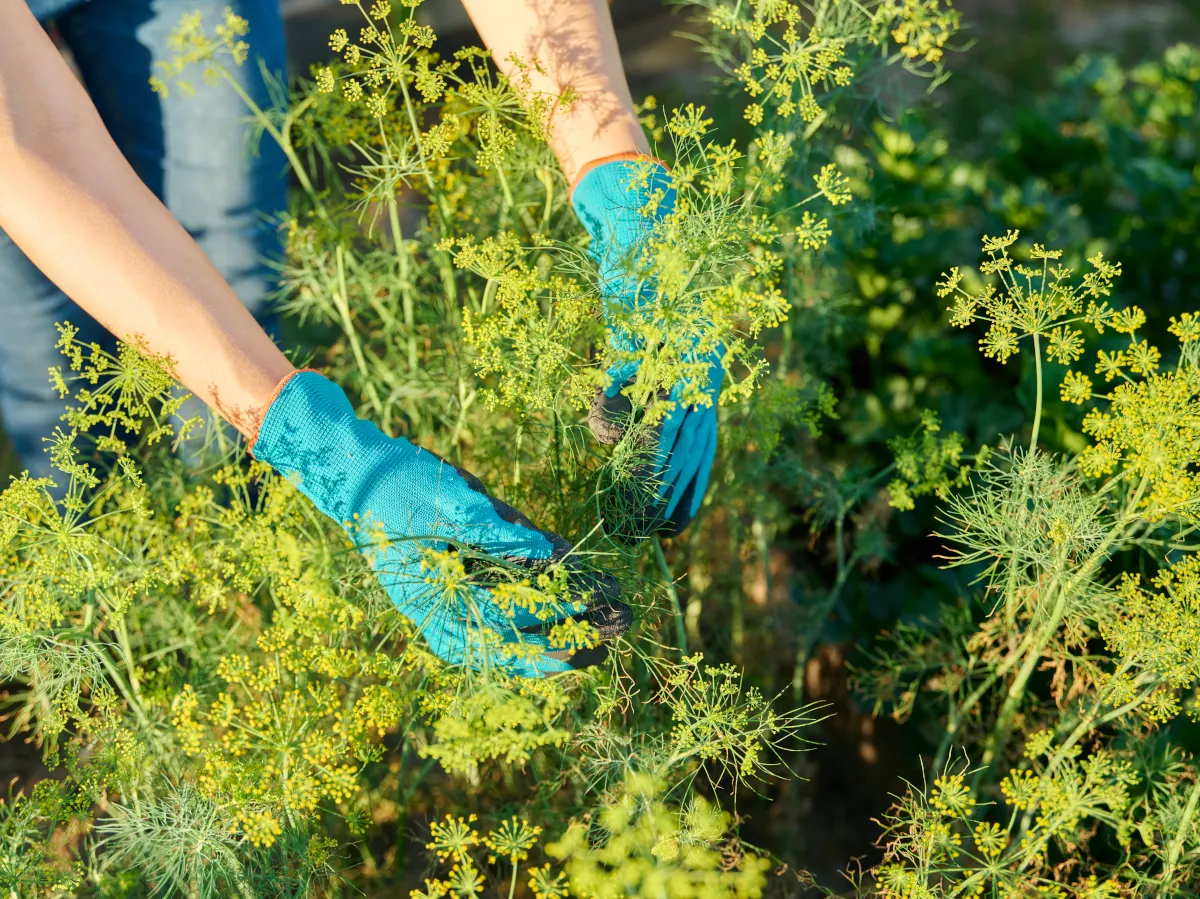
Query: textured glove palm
[357, 475]
[613, 201]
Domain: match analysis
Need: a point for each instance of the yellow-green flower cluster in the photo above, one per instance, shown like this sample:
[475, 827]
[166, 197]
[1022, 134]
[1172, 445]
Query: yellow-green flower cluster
[454, 840]
[928, 462]
[921, 28]
[526, 328]
[789, 62]
[942, 844]
[382, 60]
[1042, 302]
[1156, 630]
[191, 45]
[640, 844]
[1145, 427]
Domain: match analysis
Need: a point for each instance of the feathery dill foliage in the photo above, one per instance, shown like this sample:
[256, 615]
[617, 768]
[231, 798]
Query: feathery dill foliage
[1083, 633]
[230, 703]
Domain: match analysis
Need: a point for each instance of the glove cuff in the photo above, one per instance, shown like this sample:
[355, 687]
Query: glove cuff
[263, 412]
[613, 208]
[615, 157]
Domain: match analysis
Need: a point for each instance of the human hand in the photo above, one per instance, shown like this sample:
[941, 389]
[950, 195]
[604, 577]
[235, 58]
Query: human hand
[417, 502]
[619, 201]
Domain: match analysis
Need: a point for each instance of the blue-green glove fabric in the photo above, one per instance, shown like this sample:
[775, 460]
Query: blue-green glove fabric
[360, 477]
[611, 200]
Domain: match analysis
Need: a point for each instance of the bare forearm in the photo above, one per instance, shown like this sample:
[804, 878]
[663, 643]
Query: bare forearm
[574, 43]
[72, 203]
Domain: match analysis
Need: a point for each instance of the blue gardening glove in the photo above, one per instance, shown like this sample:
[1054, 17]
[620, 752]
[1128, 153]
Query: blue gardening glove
[611, 200]
[362, 478]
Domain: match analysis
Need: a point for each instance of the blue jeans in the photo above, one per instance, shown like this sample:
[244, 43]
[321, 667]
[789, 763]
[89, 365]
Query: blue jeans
[193, 152]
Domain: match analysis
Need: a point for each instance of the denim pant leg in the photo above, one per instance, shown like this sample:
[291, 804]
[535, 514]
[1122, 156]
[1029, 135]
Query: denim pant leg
[193, 152]
[30, 304]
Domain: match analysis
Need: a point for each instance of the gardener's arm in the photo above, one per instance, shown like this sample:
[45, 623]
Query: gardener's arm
[620, 193]
[73, 204]
[574, 44]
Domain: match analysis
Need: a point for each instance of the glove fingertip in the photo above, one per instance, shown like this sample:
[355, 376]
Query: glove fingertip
[683, 461]
[687, 504]
[705, 471]
[608, 416]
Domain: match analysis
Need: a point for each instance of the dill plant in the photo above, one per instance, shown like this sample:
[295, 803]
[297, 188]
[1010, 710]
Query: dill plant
[234, 706]
[1079, 637]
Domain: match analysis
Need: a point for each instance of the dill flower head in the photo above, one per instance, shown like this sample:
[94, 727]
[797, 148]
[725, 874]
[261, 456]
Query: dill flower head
[454, 837]
[511, 840]
[921, 28]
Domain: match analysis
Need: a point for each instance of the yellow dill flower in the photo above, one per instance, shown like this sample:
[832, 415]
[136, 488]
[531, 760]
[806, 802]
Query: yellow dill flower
[952, 796]
[259, 826]
[377, 105]
[1065, 346]
[1000, 343]
[812, 233]
[808, 108]
[453, 838]
[547, 884]
[920, 27]
[1187, 328]
[833, 185]
[990, 839]
[512, 840]
[1128, 320]
[688, 123]
[434, 889]
[1020, 788]
[1076, 388]
[1111, 365]
[1143, 358]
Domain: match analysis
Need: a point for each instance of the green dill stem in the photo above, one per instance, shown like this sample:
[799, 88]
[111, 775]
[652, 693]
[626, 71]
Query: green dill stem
[737, 623]
[127, 654]
[759, 529]
[465, 400]
[1010, 604]
[548, 182]
[677, 609]
[509, 202]
[512, 884]
[999, 736]
[955, 717]
[825, 606]
[785, 354]
[405, 283]
[343, 306]
[695, 605]
[517, 455]
[1010, 594]
[128, 694]
[489, 294]
[1180, 835]
[449, 285]
[1037, 409]
[416, 131]
[283, 136]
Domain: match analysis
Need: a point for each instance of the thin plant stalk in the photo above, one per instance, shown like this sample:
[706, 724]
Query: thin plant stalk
[676, 607]
[1176, 849]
